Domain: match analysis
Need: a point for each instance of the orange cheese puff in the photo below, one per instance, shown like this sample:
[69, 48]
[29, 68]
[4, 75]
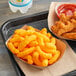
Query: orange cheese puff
[25, 52]
[25, 57]
[41, 58]
[44, 31]
[49, 35]
[15, 35]
[43, 54]
[30, 28]
[20, 38]
[54, 58]
[15, 44]
[16, 38]
[53, 40]
[45, 62]
[20, 32]
[50, 46]
[45, 38]
[25, 42]
[36, 59]
[48, 50]
[12, 48]
[29, 59]
[40, 41]
[29, 32]
[33, 43]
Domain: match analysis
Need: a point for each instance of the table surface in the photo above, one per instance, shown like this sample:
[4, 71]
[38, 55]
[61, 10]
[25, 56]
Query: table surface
[6, 68]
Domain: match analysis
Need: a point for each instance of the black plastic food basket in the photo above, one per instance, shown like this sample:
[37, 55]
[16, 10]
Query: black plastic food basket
[38, 20]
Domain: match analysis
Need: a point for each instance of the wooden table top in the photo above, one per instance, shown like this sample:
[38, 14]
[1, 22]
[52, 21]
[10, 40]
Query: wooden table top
[6, 68]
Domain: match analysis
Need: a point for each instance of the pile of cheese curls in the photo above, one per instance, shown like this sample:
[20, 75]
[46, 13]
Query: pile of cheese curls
[36, 47]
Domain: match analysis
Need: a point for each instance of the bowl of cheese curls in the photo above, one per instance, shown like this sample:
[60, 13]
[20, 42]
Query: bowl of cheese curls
[35, 47]
[63, 24]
